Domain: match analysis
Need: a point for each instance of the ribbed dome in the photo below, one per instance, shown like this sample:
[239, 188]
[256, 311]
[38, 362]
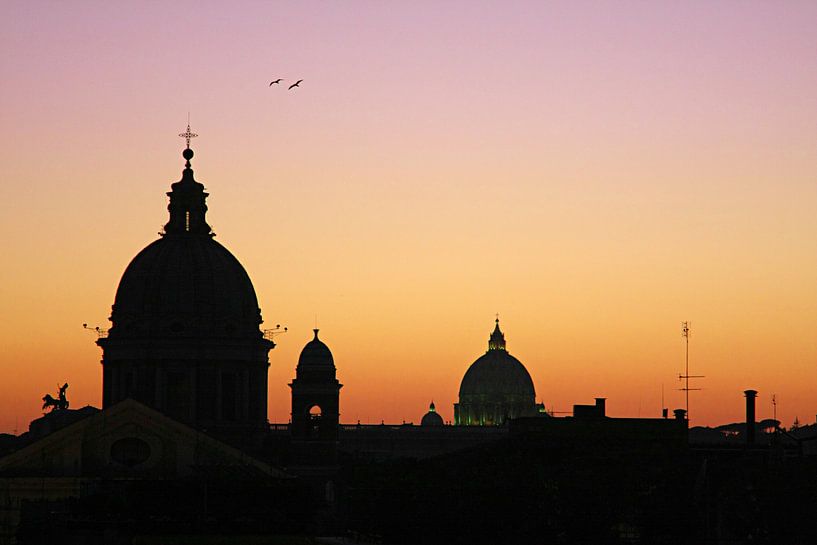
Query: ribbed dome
[495, 388]
[497, 374]
[185, 284]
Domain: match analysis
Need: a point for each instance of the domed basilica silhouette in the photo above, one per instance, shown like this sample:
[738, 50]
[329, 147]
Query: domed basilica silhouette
[185, 336]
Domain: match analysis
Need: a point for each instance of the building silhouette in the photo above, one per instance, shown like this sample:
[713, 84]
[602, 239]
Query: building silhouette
[315, 406]
[182, 446]
[432, 417]
[495, 388]
[184, 336]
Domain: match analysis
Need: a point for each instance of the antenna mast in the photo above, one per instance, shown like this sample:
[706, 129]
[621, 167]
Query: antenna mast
[686, 376]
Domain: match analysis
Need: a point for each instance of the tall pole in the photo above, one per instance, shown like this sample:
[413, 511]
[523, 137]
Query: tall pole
[685, 333]
[686, 376]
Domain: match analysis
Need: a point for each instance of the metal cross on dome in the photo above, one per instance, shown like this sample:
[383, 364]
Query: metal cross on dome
[187, 135]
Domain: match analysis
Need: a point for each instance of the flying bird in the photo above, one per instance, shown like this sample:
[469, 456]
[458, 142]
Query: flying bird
[279, 80]
[295, 84]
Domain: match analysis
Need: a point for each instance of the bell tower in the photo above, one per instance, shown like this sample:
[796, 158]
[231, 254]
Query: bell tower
[315, 406]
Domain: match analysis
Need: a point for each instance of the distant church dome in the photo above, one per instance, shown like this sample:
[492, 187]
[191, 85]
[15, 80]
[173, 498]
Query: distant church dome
[432, 417]
[185, 336]
[496, 387]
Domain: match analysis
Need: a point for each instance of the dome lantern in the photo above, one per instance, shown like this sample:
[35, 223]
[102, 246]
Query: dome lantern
[187, 205]
[497, 339]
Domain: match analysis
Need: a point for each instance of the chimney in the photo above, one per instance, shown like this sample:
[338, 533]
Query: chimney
[750, 416]
[680, 414]
[601, 409]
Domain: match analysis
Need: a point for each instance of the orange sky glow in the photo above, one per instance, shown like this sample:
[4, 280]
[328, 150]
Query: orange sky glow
[596, 173]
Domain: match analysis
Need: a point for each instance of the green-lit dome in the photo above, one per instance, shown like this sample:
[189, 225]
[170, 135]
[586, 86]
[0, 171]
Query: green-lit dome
[432, 417]
[495, 387]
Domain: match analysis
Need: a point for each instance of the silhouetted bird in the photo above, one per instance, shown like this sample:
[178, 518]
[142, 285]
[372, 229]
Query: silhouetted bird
[295, 84]
[279, 80]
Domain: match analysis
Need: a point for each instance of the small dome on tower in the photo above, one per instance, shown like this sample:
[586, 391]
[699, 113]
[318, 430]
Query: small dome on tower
[316, 362]
[432, 417]
[316, 353]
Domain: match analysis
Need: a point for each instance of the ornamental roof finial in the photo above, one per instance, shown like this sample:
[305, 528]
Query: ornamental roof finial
[187, 135]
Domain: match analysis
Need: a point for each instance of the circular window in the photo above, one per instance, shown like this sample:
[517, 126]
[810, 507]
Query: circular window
[130, 451]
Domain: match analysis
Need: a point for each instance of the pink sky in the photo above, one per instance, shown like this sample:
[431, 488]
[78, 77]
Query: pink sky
[596, 172]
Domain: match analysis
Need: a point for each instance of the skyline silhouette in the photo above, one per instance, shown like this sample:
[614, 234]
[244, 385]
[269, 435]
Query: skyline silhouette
[596, 177]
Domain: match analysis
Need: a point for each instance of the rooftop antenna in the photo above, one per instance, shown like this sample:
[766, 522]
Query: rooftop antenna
[774, 410]
[686, 376]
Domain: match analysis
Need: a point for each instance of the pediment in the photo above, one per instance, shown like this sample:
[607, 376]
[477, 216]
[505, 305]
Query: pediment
[131, 440]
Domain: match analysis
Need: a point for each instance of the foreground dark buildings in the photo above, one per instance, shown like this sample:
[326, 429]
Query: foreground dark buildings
[181, 447]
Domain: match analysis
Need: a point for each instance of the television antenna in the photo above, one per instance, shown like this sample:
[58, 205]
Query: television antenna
[686, 376]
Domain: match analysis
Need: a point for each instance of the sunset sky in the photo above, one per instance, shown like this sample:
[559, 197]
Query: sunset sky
[594, 172]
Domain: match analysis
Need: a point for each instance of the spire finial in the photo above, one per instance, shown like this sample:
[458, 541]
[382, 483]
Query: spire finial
[187, 135]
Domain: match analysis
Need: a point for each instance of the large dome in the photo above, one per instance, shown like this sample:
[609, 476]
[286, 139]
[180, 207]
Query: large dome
[185, 285]
[495, 388]
[497, 374]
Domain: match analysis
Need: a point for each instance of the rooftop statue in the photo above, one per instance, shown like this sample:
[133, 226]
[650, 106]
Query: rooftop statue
[59, 404]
